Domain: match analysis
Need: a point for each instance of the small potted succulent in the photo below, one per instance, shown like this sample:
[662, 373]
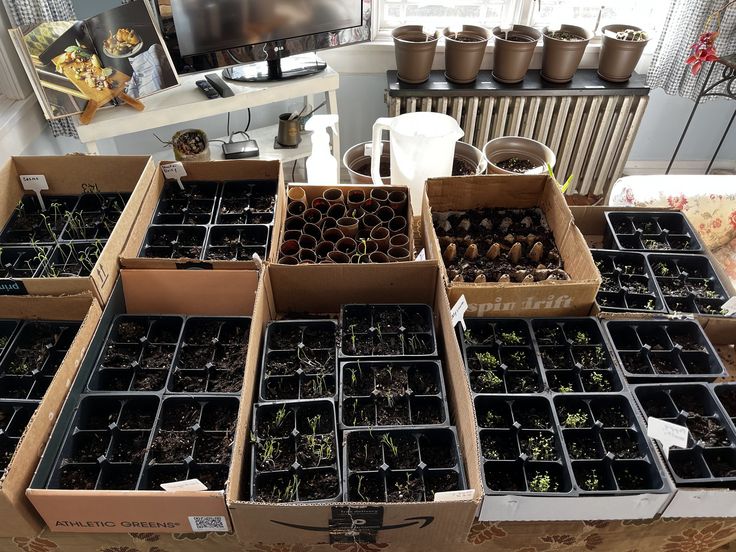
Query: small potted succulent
[464, 50]
[621, 49]
[414, 51]
[512, 52]
[563, 50]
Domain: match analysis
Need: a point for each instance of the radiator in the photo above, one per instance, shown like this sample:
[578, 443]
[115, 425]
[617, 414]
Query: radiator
[591, 135]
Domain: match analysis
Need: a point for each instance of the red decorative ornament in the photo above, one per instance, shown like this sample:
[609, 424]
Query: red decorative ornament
[702, 51]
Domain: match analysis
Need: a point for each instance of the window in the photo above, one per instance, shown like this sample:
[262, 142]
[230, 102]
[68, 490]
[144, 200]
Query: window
[646, 14]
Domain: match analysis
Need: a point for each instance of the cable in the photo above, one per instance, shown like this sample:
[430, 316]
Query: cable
[293, 169]
[228, 123]
[247, 126]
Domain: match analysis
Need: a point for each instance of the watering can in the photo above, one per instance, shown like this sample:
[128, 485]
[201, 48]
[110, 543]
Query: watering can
[422, 147]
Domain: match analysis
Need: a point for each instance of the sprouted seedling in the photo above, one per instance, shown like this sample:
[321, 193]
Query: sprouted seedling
[540, 483]
[389, 442]
[565, 388]
[490, 379]
[576, 419]
[280, 415]
[581, 338]
[488, 360]
[292, 489]
[360, 487]
[511, 338]
[591, 482]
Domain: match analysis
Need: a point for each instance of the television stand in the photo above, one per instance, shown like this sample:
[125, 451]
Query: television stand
[276, 69]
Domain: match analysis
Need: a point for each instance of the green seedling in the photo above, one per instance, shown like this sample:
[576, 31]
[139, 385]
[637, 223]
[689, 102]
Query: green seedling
[511, 338]
[591, 482]
[280, 415]
[292, 489]
[566, 389]
[490, 379]
[541, 483]
[581, 338]
[576, 419]
[488, 360]
[389, 442]
[541, 447]
[360, 487]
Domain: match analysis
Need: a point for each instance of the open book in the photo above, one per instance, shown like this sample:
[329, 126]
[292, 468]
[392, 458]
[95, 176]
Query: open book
[71, 62]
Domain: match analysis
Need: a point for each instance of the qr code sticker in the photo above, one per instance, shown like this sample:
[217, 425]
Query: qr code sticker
[202, 524]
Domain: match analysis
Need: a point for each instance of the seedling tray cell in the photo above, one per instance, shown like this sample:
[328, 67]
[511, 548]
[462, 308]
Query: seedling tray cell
[627, 284]
[521, 449]
[392, 394]
[94, 216]
[688, 283]
[709, 459]
[247, 203]
[211, 356]
[671, 350]
[401, 465]
[23, 262]
[30, 224]
[651, 231]
[137, 355]
[174, 242]
[192, 205]
[294, 453]
[73, 259]
[237, 243]
[33, 357]
[299, 360]
[387, 331]
[14, 417]
[726, 393]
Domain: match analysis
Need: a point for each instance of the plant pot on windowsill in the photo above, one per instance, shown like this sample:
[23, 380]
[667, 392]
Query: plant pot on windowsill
[191, 145]
[517, 155]
[512, 52]
[621, 49]
[414, 50]
[464, 52]
[563, 50]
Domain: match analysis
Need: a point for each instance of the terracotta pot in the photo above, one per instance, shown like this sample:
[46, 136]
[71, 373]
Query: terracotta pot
[560, 58]
[414, 52]
[464, 52]
[619, 57]
[505, 147]
[512, 52]
[358, 163]
[348, 226]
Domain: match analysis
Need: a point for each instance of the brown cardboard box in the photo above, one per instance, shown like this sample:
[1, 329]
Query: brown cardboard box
[216, 293]
[592, 223]
[17, 516]
[574, 297]
[314, 191]
[323, 289]
[66, 176]
[210, 171]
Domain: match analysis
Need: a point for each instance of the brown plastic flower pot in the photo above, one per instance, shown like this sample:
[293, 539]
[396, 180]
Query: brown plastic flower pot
[561, 58]
[512, 52]
[464, 52]
[619, 56]
[358, 163]
[414, 50]
[506, 147]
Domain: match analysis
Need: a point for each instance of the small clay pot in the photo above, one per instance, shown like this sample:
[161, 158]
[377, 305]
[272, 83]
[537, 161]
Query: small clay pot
[619, 57]
[338, 257]
[397, 200]
[397, 225]
[307, 242]
[297, 193]
[347, 246]
[414, 52]
[399, 240]
[512, 52]
[380, 195]
[381, 236]
[321, 205]
[337, 211]
[378, 257]
[312, 230]
[348, 226]
[464, 52]
[294, 223]
[333, 196]
[288, 260]
[289, 248]
[398, 254]
[355, 199]
[333, 235]
[560, 58]
[296, 208]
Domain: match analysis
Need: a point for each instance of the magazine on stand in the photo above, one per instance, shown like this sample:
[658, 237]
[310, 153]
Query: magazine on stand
[71, 62]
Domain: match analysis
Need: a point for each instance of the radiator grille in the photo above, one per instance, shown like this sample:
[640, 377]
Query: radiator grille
[591, 135]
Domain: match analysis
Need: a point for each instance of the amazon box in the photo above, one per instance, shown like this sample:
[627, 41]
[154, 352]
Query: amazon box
[295, 291]
[188, 505]
[27, 412]
[73, 245]
[572, 297]
[213, 221]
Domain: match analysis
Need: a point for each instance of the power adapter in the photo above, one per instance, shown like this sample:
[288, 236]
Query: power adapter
[240, 150]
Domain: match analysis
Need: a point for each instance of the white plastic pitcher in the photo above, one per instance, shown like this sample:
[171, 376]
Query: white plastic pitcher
[422, 147]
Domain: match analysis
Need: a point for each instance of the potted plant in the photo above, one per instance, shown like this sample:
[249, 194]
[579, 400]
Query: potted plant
[518, 155]
[512, 52]
[191, 145]
[464, 52]
[414, 50]
[621, 48]
[563, 50]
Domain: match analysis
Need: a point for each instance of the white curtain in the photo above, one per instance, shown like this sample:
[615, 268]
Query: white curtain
[685, 22]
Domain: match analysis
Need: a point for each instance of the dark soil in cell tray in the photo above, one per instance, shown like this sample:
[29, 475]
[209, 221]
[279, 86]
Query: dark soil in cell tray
[174, 242]
[237, 243]
[521, 449]
[195, 204]
[688, 283]
[30, 224]
[392, 393]
[607, 447]
[651, 231]
[498, 245]
[94, 216]
[401, 465]
[33, 357]
[23, 262]
[726, 393]
[710, 456]
[211, 357]
[627, 284]
[247, 203]
[73, 259]
[387, 331]
[672, 350]
[14, 417]
[294, 452]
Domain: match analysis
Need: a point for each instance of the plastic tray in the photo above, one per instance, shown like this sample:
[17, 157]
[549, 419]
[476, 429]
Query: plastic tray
[651, 231]
[628, 284]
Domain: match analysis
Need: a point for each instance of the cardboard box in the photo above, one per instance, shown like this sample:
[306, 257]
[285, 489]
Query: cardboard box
[574, 297]
[67, 176]
[322, 289]
[194, 292]
[591, 221]
[216, 171]
[17, 516]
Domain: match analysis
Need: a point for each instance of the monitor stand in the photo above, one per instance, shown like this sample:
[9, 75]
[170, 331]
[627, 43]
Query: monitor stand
[276, 69]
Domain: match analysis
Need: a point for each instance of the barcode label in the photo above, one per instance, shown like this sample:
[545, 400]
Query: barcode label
[203, 524]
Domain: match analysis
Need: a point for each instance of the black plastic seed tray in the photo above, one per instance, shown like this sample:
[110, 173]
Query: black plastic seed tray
[520, 446]
[295, 452]
[608, 449]
[136, 441]
[192, 205]
[664, 350]
[710, 456]
[73, 259]
[688, 283]
[247, 203]
[23, 262]
[237, 243]
[726, 393]
[401, 465]
[32, 358]
[94, 216]
[299, 360]
[385, 394]
[30, 224]
[14, 417]
[387, 331]
[627, 284]
[651, 231]
[174, 242]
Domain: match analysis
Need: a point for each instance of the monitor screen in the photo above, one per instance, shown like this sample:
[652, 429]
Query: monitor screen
[204, 26]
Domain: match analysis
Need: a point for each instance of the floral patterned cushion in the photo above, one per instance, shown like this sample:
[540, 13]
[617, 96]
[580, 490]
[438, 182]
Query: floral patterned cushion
[708, 201]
